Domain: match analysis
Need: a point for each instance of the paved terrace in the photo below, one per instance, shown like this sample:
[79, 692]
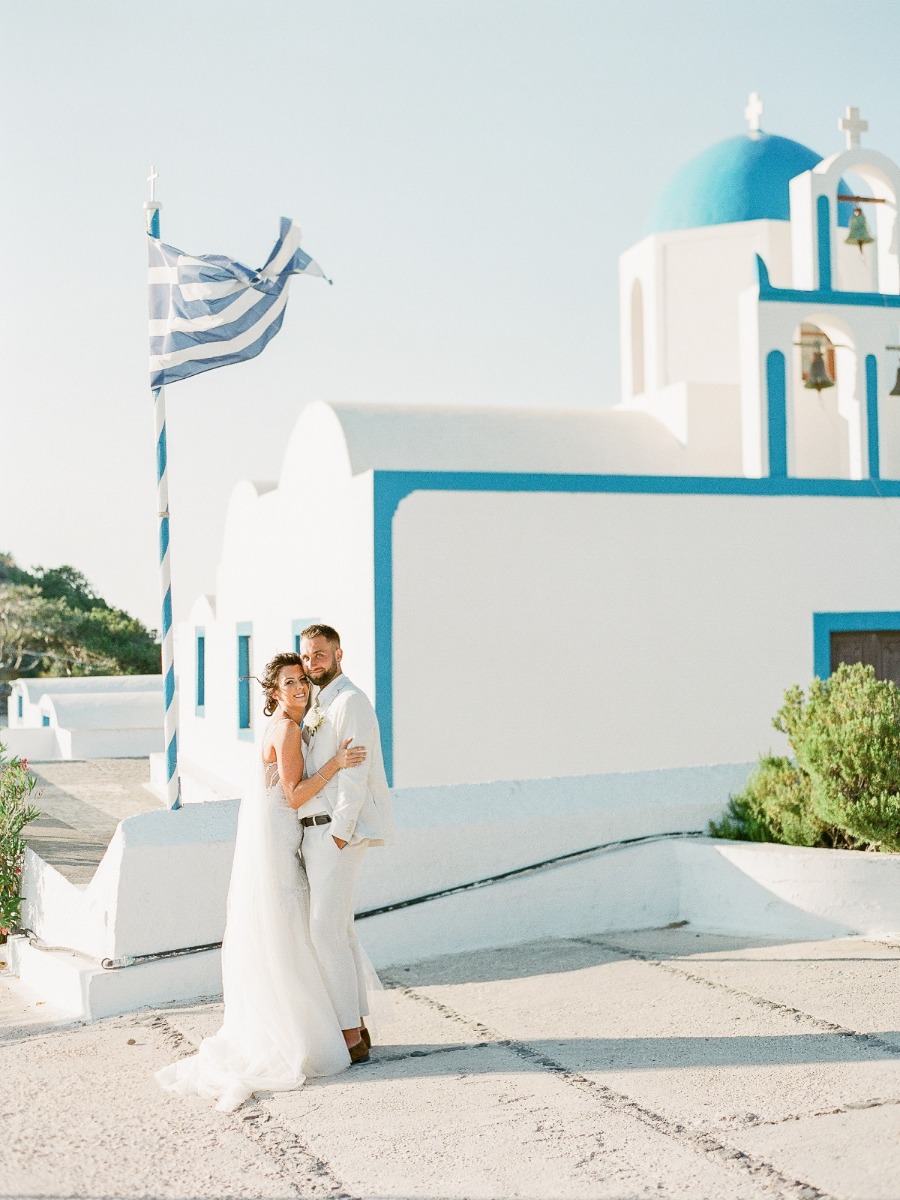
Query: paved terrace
[664, 1063]
[81, 803]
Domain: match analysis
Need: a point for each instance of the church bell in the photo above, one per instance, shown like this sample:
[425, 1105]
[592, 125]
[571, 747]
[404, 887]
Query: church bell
[858, 231]
[818, 378]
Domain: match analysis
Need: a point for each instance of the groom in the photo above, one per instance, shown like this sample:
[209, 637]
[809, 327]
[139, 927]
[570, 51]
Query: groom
[352, 813]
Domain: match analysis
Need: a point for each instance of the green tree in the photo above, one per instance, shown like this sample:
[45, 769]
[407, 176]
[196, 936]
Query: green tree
[52, 622]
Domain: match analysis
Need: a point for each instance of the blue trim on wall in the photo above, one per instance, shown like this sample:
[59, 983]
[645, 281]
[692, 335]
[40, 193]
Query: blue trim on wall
[200, 663]
[299, 625]
[776, 408]
[45, 721]
[822, 296]
[823, 241]
[872, 416]
[825, 624]
[391, 487]
[20, 705]
[244, 631]
[843, 299]
[386, 495]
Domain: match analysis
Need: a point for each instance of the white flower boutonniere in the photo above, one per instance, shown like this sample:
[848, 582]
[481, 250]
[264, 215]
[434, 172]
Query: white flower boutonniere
[313, 720]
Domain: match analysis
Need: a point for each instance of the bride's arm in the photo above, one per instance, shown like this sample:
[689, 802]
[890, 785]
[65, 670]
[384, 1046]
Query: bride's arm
[288, 746]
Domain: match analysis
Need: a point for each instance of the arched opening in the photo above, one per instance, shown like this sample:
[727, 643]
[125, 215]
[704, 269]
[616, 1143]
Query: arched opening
[638, 385]
[812, 339]
[824, 423]
[871, 266]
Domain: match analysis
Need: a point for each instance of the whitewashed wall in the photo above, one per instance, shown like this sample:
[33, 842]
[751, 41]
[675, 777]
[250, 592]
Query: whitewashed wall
[691, 281]
[548, 635]
[296, 552]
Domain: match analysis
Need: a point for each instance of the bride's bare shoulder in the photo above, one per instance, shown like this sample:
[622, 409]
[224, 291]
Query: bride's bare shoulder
[280, 733]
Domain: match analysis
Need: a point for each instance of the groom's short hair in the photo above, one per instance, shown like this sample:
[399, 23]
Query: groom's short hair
[325, 631]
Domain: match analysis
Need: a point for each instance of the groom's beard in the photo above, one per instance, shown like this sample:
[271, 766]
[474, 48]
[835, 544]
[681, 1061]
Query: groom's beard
[325, 678]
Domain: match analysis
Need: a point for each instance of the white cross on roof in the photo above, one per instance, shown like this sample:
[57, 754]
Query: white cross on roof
[753, 111]
[852, 125]
[151, 179]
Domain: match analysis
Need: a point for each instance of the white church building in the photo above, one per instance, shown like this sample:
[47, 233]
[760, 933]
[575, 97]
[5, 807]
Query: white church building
[532, 594]
[592, 614]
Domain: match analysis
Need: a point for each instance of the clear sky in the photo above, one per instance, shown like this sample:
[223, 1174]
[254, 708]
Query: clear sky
[467, 171]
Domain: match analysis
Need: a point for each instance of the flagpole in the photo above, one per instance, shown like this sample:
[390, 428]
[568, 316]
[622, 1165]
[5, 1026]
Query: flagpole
[170, 718]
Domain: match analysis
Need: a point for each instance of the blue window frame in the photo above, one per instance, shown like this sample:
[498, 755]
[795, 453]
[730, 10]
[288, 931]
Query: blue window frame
[201, 659]
[244, 659]
[200, 635]
[45, 721]
[20, 707]
[298, 626]
[825, 624]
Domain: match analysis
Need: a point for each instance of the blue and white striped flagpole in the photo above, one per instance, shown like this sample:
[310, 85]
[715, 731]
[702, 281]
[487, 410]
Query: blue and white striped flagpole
[170, 719]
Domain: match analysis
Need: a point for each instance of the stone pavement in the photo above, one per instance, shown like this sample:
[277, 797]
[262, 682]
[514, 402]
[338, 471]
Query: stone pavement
[662, 1063]
[81, 803]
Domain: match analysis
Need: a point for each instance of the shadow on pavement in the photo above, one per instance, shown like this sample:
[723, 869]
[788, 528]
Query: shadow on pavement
[626, 1054]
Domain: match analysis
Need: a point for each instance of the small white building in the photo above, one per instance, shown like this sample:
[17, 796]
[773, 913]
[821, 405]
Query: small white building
[536, 594]
[93, 716]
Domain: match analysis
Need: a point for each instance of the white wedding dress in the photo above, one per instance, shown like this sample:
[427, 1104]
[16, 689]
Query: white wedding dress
[279, 1024]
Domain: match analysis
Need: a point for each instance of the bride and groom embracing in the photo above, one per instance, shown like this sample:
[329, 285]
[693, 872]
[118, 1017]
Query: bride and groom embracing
[296, 982]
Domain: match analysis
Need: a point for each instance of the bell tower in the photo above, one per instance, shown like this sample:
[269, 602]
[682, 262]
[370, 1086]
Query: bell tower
[866, 260]
[819, 354]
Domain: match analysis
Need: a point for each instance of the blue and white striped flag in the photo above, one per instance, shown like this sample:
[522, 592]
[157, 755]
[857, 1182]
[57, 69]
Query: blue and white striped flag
[207, 311]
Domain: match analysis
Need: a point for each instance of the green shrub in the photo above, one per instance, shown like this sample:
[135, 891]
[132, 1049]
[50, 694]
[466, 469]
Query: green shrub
[775, 807]
[842, 788]
[846, 736]
[16, 810]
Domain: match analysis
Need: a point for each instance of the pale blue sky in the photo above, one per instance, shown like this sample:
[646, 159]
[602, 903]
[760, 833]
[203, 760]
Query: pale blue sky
[467, 172]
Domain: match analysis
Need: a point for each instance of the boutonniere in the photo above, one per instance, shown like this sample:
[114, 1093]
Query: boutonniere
[313, 720]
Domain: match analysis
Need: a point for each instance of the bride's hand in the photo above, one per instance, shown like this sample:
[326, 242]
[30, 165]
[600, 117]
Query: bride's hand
[349, 756]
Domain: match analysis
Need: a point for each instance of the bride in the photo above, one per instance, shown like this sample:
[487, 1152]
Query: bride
[279, 1024]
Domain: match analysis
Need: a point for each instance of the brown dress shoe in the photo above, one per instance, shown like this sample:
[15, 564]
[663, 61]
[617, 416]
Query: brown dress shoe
[366, 1036]
[359, 1052]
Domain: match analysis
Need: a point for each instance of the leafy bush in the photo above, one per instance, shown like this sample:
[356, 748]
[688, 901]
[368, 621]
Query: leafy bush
[16, 810]
[846, 737]
[843, 787]
[775, 807]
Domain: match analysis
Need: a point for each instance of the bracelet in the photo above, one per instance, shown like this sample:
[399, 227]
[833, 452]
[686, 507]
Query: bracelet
[325, 777]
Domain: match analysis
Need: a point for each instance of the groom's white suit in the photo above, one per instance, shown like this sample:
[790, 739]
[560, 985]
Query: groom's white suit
[358, 800]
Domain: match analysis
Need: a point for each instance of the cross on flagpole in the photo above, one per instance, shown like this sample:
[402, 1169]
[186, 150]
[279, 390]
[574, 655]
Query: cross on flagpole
[170, 714]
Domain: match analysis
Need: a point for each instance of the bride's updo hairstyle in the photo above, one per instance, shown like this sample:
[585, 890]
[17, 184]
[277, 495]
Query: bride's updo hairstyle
[269, 681]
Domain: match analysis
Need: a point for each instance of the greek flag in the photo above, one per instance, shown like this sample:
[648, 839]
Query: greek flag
[208, 311]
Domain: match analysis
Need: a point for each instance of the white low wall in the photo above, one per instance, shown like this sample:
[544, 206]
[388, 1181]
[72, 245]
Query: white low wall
[163, 880]
[787, 891]
[39, 745]
[113, 743]
[51, 743]
[161, 885]
[780, 892]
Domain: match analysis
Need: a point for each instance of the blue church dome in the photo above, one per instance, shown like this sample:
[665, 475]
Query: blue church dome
[744, 178]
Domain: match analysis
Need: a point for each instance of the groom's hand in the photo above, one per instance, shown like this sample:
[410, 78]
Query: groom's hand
[339, 842]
